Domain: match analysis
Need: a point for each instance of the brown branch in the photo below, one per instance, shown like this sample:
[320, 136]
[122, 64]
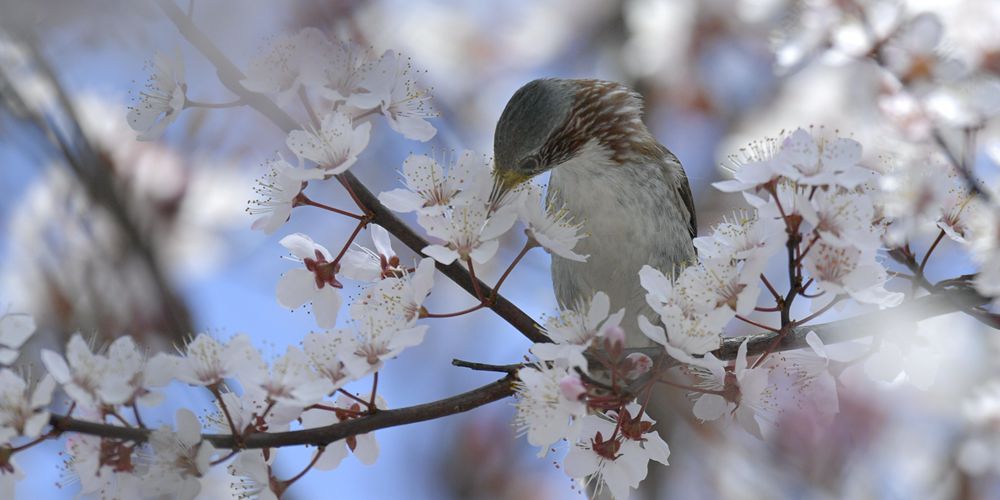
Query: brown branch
[230, 76]
[318, 436]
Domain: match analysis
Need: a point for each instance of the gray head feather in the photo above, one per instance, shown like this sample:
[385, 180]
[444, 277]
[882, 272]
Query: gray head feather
[532, 114]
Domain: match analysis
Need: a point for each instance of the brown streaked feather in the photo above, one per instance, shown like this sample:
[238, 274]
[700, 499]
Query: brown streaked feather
[609, 113]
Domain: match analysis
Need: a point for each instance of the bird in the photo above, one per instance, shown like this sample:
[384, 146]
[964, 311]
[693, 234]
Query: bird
[629, 193]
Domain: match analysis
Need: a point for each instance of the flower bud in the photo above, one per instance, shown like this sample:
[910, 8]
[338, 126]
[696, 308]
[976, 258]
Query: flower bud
[572, 387]
[614, 340]
[637, 364]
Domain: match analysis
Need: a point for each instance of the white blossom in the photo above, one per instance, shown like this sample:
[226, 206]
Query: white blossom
[574, 330]
[288, 63]
[117, 480]
[754, 167]
[163, 100]
[363, 264]
[290, 381]
[839, 270]
[80, 373]
[364, 446]
[278, 193]
[552, 227]
[178, 459]
[316, 283]
[620, 463]
[204, 361]
[912, 55]
[391, 89]
[429, 190]
[126, 375]
[843, 218]
[744, 237]
[544, 413]
[252, 474]
[15, 330]
[326, 352]
[743, 392]
[23, 412]
[469, 232]
[693, 316]
[335, 146]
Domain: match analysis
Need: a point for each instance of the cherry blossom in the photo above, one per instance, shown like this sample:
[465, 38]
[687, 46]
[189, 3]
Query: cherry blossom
[814, 159]
[617, 458]
[163, 100]
[178, 459]
[839, 270]
[911, 54]
[755, 166]
[843, 218]
[204, 361]
[126, 381]
[317, 283]
[429, 190]
[326, 352]
[363, 446]
[113, 477]
[335, 146]
[288, 63]
[15, 330]
[378, 335]
[80, 373]
[391, 90]
[23, 412]
[573, 331]
[745, 237]
[692, 314]
[290, 381]
[401, 297]
[551, 227]
[544, 412]
[252, 474]
[278, 193]
[742, 391]
[362, 264]
[468, 231]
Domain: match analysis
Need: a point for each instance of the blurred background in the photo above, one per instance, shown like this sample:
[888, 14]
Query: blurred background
[105, 235]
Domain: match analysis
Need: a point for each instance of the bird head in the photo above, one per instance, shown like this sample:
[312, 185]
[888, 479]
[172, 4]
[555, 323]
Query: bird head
[549, 122]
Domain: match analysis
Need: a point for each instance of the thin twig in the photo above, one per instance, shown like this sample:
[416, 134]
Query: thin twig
[485, 367]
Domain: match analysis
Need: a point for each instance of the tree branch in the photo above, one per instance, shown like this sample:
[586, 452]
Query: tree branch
[231, 76]
[318, 436]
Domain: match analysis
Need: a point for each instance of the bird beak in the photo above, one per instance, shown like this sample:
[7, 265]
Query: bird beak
[504, 181]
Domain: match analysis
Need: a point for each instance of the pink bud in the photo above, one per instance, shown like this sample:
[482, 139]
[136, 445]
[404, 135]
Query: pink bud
[614, 340]
[572, 387]
[637, 364]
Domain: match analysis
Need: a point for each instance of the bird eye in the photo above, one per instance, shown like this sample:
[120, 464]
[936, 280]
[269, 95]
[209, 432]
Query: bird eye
[529, 164]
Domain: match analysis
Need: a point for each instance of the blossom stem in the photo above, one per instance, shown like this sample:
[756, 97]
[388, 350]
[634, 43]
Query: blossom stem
[289, 482]
[802, 255]
[822, 310]
[770, 288]
[354, 196]
[758, 325]
[513, 264]
[355, 398]
[371, 402]
[225, 457]
[767, 309]
[138, 418]
[475, 280]
[119, 418]
[308, 106]
[33, 442]
[214, 105]
[307, 201]
[354, 235]
[454, 314]
[927, 256]
[214, 388]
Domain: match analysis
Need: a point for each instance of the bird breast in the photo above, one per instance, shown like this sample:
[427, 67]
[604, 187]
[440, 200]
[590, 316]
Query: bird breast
[633, 216]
